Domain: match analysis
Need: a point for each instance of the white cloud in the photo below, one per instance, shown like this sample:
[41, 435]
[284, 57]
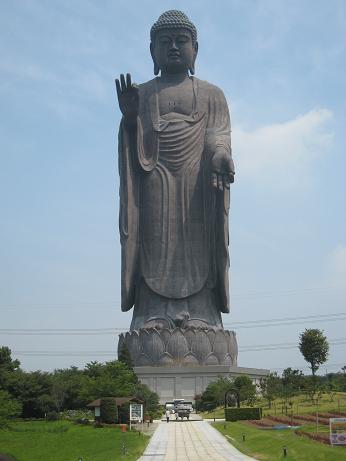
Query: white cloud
[282, 152]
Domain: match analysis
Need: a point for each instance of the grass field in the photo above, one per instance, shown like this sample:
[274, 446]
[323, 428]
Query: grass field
[301, 405]
[267, 445]
[65, 441]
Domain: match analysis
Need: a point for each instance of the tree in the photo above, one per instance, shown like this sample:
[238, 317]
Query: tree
[270, 387]
[150, 400]
[7, 366]
[214, 394]
[67, 383]
[33, 390]
[331, 386]
[125, 356]
[112, 379]
[314, 388]
[108, 410]
[314, 347]
[293, 379]
[291, 383]
[9, 408]
[246, 388]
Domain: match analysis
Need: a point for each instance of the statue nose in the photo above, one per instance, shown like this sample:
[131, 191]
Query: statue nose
[174, 45]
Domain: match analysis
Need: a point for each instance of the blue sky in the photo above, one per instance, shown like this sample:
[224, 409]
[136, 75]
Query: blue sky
[281, 66]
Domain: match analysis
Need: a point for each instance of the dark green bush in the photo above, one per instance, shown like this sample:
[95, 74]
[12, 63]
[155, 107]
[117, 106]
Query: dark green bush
[52, 416]
[236, 414]
[108, 411]
[124, 414]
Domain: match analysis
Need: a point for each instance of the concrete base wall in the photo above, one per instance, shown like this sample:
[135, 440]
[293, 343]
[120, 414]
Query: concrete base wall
[185, 382]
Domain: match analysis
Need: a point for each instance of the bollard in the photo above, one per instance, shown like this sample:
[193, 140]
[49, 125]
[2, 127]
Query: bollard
[243, 435]
[284, 449]
[123, 444]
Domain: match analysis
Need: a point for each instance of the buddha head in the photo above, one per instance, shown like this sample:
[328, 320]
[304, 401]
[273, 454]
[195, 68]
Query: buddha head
[174, 43]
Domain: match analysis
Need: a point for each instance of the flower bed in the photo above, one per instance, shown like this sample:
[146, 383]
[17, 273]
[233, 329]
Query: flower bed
[312, 419]
[317, 437]
[260, 423]
[333, 415]
[285, 420]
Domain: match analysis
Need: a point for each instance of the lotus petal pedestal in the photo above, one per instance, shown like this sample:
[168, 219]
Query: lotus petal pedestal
[180, 346]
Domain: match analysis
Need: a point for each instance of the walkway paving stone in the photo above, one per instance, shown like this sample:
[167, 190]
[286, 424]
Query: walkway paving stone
[190, 441]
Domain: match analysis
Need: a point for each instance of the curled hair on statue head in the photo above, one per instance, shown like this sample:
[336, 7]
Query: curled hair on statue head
[173, 19]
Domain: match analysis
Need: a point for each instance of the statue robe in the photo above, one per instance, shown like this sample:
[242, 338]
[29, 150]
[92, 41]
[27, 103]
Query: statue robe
[173, 223]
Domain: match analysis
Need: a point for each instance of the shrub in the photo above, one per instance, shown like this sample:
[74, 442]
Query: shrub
[74, 415]
[52, 416]
[108, 410]
[236, 414]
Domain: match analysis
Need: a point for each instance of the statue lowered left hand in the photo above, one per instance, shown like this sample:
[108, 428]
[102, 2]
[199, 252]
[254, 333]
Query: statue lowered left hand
[128, 98]
[222, 169]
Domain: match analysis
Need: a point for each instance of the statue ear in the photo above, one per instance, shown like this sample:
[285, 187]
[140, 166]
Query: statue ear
[156, 69]
[192, 66]
[156, 66]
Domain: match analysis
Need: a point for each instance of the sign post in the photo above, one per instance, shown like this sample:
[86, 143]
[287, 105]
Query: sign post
[136, 412]
[337, 427]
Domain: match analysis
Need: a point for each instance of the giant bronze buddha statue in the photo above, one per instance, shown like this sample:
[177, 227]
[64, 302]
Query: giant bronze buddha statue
[175, 169]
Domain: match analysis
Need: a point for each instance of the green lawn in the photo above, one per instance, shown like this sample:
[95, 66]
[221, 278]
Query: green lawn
[267, 445]
[65, 441]
[301, 405]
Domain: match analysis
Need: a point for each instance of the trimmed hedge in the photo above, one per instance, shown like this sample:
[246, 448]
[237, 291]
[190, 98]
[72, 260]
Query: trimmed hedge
[108, 411]
[236, 414]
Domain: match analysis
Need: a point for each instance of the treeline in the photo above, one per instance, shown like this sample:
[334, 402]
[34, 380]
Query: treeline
[291, 383]
[37, 394]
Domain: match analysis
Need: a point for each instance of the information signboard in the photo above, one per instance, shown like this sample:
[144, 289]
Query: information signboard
[136, 412]
[337, 431]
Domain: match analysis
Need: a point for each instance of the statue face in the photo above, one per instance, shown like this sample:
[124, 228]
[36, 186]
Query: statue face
[174, 50]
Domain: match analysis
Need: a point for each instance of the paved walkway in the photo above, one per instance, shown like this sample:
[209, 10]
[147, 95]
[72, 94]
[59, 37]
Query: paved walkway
[190, 441]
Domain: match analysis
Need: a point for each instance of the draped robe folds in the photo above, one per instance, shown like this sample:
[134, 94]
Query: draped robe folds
[173, 223]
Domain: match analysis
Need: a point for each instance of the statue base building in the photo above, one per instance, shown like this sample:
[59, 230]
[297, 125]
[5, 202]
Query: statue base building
[185, 382]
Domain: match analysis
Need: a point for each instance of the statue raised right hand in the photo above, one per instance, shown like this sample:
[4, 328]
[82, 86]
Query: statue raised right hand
[128, 97]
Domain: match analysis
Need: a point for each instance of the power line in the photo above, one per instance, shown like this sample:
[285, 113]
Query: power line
[306, 367]
[260, 323]
[258, 347]
[286, 323]
[113, 304]
[290, 344]
[292, 318]
[275, 348]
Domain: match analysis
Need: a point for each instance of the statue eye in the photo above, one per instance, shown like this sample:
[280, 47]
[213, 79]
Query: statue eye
[164, 40]
[182, 39]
